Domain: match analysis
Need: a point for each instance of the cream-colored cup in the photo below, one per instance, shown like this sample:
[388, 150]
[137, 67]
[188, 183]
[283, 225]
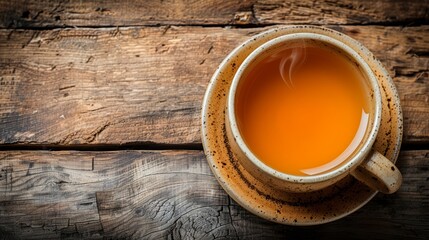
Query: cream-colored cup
[365, 164]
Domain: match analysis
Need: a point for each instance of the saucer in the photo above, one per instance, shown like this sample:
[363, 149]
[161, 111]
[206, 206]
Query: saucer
[322, 206]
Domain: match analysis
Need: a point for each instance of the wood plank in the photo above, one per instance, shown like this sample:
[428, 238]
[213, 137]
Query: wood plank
[385, 12]
[173, 195]
[24, 14]
[145, 85]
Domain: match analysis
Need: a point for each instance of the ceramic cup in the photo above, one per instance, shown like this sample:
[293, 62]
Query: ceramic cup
[365, 164]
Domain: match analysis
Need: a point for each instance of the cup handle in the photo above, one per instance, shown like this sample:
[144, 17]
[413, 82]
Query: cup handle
[379, 173]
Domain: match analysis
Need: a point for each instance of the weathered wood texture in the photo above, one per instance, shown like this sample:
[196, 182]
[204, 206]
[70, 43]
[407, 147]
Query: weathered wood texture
[342, 12]
[173, 195]
[145, 85]
[26, 14]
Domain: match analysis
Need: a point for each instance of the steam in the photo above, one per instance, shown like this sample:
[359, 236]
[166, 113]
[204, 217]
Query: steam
[294, 60]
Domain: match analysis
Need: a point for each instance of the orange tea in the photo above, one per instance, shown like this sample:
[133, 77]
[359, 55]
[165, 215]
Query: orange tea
[303, 110]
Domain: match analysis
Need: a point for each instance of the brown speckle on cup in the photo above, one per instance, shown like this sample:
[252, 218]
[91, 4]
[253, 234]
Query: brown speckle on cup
[322, 206]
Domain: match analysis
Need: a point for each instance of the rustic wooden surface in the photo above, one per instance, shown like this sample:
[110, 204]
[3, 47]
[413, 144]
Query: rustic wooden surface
[172, 194]
[50, 13]
[128, 85]
[91, 79]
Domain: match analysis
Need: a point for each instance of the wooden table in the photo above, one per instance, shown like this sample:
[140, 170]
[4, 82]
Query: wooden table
[100, 116]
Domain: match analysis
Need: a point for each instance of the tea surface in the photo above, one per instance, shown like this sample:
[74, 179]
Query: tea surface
[304, 110]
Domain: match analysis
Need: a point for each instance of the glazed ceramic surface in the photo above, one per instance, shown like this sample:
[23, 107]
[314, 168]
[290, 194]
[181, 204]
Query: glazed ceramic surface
[293, 183]
[317, 207]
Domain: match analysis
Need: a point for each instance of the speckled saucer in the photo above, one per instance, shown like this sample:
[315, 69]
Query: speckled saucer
[313, 208]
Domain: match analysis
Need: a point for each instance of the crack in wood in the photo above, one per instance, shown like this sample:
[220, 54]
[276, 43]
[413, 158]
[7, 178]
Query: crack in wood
[230, 216]
[100, 147]
[94, 134]
[66, 87]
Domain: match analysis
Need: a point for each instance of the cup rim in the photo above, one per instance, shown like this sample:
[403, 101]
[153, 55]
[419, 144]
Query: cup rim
[330, 174]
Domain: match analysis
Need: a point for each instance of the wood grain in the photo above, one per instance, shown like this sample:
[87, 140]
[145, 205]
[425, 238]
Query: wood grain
[116, 74]
[145, 85]
[383, 12]
[173, 195]
[24, 14]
